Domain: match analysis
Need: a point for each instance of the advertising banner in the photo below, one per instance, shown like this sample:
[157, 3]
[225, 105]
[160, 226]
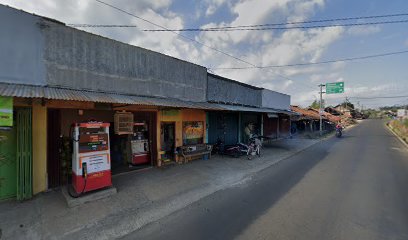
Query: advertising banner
[6, 111]
[193, 132]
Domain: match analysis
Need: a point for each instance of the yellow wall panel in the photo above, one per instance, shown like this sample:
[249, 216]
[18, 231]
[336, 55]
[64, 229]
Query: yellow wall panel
[178, 116]
[39, 148]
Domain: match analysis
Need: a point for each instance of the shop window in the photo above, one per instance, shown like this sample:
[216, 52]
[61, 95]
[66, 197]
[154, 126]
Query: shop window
[193, 133]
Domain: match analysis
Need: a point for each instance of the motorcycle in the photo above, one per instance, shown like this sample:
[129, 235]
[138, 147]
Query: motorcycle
[230, 150]
[252, 148]
[339, 132]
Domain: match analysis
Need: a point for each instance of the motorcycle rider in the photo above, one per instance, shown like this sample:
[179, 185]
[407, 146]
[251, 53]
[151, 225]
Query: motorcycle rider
[339, 129]
[339, 126]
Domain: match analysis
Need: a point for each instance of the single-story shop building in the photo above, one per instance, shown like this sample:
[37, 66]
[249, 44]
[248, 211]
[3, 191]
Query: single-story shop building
[56, 77]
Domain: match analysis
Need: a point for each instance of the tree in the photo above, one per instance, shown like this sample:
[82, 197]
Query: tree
[316, 104]
[346, 104]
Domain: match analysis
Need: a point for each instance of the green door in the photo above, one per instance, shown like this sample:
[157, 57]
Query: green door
[24, 154]
[8, 170]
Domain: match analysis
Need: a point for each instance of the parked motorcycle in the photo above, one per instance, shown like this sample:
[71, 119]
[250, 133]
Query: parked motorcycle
[252, 148]
[230, 150]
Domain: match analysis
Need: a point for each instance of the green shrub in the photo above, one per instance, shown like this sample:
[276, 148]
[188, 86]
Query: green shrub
[406, 123]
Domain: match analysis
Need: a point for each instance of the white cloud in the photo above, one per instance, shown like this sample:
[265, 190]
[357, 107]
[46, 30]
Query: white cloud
[363, 30]
[338, 65]
[213, 5]
[325, 77]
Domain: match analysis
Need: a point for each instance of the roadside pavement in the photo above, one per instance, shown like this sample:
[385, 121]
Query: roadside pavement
[348, 188]
[143, 197]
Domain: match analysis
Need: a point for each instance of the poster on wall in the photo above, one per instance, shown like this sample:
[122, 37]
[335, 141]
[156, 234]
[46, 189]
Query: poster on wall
[6, 111]
[193, 133]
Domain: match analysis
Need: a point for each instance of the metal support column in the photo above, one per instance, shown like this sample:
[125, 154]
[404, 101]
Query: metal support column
[320, 109]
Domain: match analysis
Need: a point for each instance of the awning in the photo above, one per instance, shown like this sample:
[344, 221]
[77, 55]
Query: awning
[30, 91]
[287, 112]
[238, 108]
[58, 93]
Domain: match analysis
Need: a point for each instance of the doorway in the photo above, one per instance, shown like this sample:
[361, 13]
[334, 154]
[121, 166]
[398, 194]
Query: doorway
[167, 141]
[16, 157]
[56, 176]
[138, 150]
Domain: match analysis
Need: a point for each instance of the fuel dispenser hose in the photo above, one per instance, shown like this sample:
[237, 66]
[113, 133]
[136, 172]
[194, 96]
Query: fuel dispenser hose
[76, 195]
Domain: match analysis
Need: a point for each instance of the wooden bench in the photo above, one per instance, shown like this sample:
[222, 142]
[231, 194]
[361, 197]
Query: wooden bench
[194, 151]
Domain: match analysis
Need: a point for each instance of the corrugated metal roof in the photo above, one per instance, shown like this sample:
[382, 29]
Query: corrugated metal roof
[246, 109]
[29, 91]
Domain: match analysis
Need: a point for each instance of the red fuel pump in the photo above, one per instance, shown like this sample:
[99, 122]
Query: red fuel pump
[91, 167]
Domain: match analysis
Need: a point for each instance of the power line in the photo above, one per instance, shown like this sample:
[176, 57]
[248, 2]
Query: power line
[380, 97]
[371, 98]
[84, 25]
[278, 28]
[316, 21]
[322, 62]
[181, 35]
[263, 26]
[187, 38]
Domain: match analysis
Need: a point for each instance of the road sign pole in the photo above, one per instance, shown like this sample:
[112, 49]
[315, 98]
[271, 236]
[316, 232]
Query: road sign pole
[320, 110]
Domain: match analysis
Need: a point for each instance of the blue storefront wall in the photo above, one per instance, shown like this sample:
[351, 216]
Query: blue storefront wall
[224, 126]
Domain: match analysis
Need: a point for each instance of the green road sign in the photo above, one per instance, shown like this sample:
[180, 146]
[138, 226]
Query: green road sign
[337, 87]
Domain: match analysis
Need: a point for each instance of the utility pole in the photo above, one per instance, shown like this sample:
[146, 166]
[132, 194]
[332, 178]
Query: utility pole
[320, 109]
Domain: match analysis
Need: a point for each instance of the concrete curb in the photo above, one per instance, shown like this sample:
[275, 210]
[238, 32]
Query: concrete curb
[73, 202]
[395, 134]
[135, 219]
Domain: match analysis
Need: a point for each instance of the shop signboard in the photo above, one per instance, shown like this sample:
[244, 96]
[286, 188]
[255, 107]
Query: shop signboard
[170, 112]
[193, 132]
[6, 111]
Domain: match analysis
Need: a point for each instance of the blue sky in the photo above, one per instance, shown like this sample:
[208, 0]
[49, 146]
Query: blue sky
[387, 76]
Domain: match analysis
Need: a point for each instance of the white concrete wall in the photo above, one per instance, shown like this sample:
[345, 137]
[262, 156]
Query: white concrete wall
[21, 48]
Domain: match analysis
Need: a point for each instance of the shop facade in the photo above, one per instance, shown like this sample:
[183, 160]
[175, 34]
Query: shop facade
[179, 127]
[22, 141]
[252, 111]
[271, 125]
[223, 126]
[133, 149]
[153, 104]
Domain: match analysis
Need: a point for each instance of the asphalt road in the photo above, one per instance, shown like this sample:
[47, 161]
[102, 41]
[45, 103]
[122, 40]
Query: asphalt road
[355, 187]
